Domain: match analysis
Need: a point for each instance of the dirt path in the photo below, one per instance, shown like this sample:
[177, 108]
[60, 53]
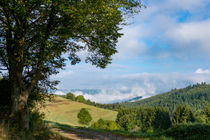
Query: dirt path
[80, 134]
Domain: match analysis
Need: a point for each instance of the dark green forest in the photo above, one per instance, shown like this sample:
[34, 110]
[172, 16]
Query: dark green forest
[196, 96]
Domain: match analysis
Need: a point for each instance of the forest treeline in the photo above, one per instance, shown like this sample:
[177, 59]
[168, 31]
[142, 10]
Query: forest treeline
[195, 96]
[158, 122]
[150, 119]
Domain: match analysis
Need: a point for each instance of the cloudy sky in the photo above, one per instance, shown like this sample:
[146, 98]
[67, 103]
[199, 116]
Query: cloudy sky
[166, 46]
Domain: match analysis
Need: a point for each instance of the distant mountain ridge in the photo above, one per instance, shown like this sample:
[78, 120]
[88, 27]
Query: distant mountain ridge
[133, 99]
[196, 96]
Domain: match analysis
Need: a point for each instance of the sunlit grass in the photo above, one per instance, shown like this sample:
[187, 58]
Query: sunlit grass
[65, 111]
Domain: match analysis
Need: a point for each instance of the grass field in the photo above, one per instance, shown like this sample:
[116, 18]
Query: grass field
[65, 111]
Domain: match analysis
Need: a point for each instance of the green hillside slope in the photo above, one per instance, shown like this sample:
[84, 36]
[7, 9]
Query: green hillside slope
[196, 96]
[65, 111]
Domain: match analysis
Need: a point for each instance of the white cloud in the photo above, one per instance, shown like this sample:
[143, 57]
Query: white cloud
[191, 35]
[189, 5]
[130, 45]
[59, 93]
[159, 23]
[116, 95]
[63, 74]
[201, 71]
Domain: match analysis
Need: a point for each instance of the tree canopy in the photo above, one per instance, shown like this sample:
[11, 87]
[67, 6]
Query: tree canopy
[84, 116]
[70, 96]
[34, 35]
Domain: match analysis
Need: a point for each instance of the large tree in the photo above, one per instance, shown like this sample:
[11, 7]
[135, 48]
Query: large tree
[34, 35]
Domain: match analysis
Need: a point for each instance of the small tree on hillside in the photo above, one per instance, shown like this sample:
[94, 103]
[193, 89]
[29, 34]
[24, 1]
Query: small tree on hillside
[70, 96]
[84, 116]
[80, 98]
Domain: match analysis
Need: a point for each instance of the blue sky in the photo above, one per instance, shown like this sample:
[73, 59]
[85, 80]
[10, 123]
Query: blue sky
[166, 46]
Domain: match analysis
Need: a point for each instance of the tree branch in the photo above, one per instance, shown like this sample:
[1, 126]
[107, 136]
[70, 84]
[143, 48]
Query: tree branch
[36, 74]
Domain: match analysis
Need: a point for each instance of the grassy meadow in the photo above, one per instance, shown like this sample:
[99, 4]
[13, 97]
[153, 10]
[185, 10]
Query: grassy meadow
[65, 111]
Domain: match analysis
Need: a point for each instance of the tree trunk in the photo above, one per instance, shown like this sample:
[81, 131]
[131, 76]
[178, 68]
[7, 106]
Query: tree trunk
[23, 109]
[19, 96]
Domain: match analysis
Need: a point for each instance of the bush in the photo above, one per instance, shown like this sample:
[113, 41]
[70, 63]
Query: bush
[189, 131]
[84, 116]
[106, 124]
[80, 98]
[70, 96]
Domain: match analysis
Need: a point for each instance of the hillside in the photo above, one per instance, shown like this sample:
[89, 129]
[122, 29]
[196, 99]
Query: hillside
[65, 111]
[196, 96]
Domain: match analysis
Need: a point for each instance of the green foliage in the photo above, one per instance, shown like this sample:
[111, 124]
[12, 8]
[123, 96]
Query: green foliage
[182, 114]
[70, 96]
[105, 124]
[189, 131]
[204, 115]
[196, 96]
[80, 98]
[162, 119]
[84, 116]
[144, 119]
[126, 121]
[35, 34]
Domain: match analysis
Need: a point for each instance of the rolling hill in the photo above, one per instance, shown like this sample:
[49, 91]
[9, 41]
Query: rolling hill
[196, 96]
[65, 111]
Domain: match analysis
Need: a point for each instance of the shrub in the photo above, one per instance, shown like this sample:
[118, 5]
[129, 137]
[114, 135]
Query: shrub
[80, 98]
[189, 131]
[106, 124]
[70, 96]
[84, 116]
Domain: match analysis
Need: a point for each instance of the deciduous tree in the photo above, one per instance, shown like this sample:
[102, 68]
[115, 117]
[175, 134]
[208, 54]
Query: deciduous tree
[84, 116]
[35, 33]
